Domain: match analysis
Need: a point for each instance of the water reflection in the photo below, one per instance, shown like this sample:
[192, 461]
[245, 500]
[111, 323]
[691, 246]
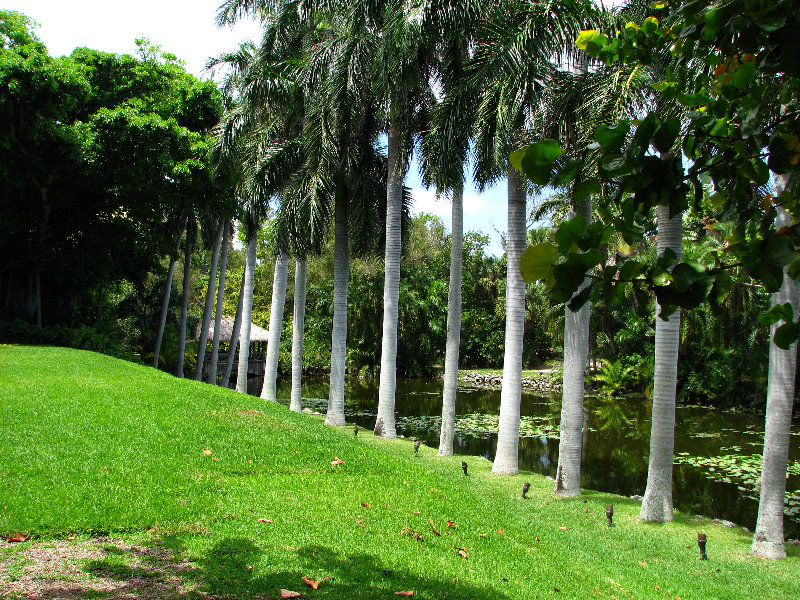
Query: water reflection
[615, 444]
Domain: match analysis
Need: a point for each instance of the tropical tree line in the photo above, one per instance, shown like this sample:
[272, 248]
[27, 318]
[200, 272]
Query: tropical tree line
[301, 144]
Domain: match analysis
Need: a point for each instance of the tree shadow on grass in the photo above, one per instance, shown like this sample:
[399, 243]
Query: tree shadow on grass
[234, 568]
[227, 572]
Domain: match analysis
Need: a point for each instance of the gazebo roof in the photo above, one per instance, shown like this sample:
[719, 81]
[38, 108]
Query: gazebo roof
[257, 334]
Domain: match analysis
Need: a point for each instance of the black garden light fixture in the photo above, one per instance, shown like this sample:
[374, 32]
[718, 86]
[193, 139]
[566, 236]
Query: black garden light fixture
[701, 542]
[610, 515]
[464, 466]
[355, 430]
[417, 444]
[525, 487]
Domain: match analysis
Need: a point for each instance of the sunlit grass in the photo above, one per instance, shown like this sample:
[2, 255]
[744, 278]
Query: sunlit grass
[89, 445]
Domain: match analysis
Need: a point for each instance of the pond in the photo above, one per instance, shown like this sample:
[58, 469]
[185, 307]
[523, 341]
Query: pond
[717, 452]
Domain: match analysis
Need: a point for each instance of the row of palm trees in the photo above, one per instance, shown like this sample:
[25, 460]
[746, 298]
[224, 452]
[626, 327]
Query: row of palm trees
[457, 82]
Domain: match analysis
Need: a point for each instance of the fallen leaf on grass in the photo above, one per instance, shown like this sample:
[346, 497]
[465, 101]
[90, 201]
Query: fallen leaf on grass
[290, 594]
[405, 593]
[641, 562]
[207, 452]
[500, 531]
[451, 524]
[265, 521]
[462, 554]
[336, 461]
[365, 504]
[215, 458]
[311, 583]
[416, 512]
[433, 526]
[73, 536]
[483, 535]
[563, 528]
[17, 537]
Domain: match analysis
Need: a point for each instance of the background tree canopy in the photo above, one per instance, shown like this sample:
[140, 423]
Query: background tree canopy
[97, 153]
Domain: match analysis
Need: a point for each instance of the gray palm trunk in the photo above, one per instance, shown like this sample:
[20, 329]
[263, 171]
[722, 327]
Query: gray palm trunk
[341, 275]
[213, 365]
[298, 321]
[768, 540]
[576, 352]
[385, 423]
[162, 321]
[506, 460]
[209, 305]
[657, 503]
[281, 274]
[187, 272]
[247, 314]
[453, 323]
[235, 333]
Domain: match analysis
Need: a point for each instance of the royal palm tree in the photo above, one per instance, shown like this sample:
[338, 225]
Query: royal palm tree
[209, 303]
[213, 365]
[511, 62]
[187, 278]
[768, 540]
[162, 321]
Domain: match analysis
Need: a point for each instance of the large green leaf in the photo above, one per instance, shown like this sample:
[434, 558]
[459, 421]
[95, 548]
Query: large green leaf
[537, 261]
[536, 161]
[568, 233]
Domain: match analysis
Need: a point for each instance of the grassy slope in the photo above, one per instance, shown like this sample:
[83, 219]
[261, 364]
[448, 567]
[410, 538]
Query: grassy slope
[89, 444]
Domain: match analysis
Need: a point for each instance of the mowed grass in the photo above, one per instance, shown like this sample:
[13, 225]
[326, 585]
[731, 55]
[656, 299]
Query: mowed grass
[91, 445]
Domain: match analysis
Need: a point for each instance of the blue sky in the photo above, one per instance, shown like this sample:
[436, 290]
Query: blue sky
[186, 28]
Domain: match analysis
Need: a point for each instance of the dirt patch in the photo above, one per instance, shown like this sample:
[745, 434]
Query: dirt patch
[94, 568]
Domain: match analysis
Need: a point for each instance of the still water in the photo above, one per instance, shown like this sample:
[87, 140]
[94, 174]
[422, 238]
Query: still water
[717, 449]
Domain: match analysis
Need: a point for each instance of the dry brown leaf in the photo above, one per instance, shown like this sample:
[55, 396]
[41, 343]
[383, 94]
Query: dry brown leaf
[405, 593]
[563, 528]
[265, 521]
[500, 531]
[483, 535]
[416, 512]
[215, 458]
[17, 537]
[311, 583]
[336, 461]
[641, 562]
[462, 554]
[207, 452]
[73, 536]
[658, 587]
[537, 539]
[451, 524]
[290, 594]
[365, 504]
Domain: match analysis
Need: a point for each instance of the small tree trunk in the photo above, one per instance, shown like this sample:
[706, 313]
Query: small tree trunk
[269, 388]
[213, 365]
[187, 273]
[657, 503]
[247, 313]
[506, 460]
[341, 275]
[576, 351]
[300, 270]
[235, 333]
[453, 324]
[768, 540]
[385, 423]
[162, 321]
[209, 305]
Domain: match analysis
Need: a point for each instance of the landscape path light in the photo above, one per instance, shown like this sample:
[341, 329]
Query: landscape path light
[701, 542]
[464, 466]
[525, 487]
[610, 515]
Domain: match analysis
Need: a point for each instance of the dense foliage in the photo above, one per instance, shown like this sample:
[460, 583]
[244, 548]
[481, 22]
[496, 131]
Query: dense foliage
[98, 153]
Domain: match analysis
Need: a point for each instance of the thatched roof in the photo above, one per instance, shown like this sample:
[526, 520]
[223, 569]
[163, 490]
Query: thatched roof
[257, 334]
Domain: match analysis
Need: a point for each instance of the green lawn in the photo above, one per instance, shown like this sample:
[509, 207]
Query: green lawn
[90, 445]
